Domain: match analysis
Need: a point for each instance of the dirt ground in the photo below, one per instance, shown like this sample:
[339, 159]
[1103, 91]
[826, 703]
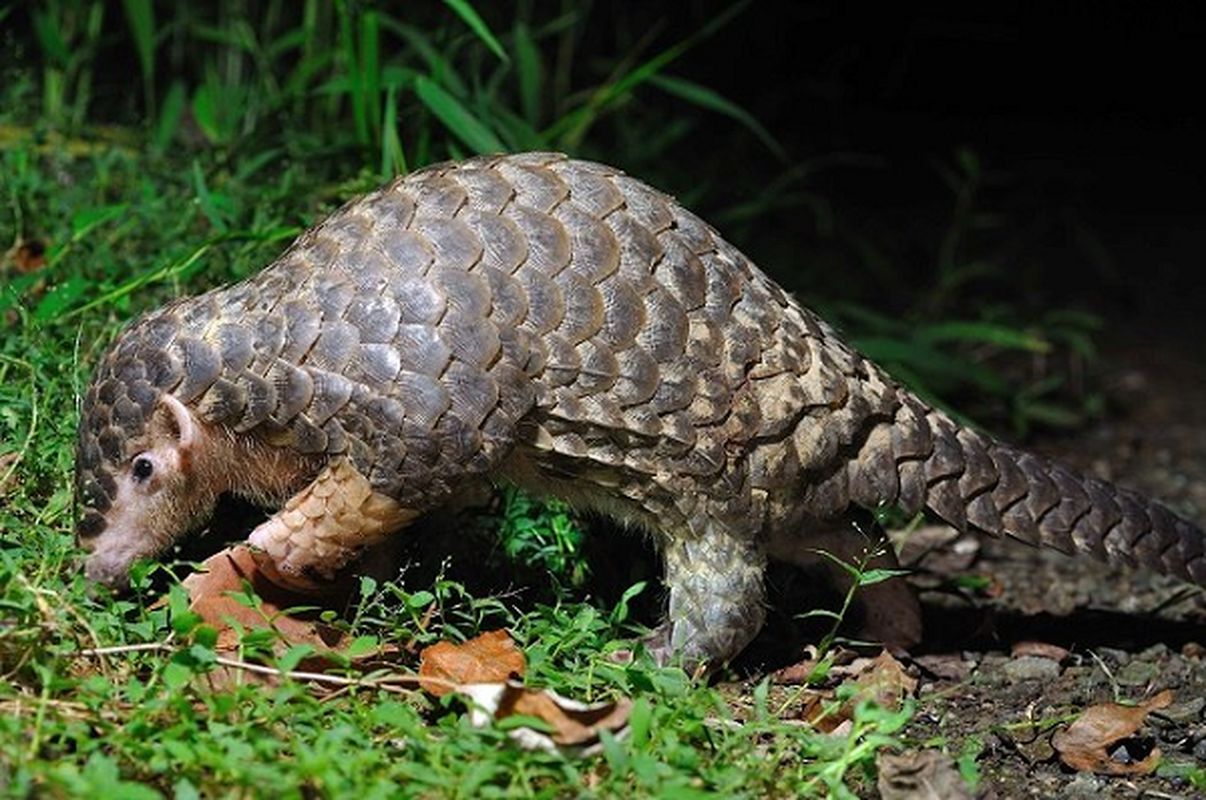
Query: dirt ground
[1121, 635]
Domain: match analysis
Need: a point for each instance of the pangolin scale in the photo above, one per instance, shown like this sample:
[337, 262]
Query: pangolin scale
[554, 323]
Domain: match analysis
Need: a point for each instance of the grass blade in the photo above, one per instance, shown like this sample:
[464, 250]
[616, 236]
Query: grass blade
[530, 73]
[393, 156]
[458, 119]
[169, 117]
[572, 128]
[711, 100]
[985, 332]
[469, 14]
[140, 15]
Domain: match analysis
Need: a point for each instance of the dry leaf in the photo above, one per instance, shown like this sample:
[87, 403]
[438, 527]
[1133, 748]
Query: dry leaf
[939, 548]
[8, 472]
[209, 593]
[1042, 650]
[29, 256]
[575, 725]
[1086, 744]
[489, 658]
[225, 572]
[803, 670]
[882, 679]
[919, 775]
[946, 666]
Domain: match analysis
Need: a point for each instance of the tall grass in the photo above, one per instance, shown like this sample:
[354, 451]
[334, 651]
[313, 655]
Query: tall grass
[408, 83]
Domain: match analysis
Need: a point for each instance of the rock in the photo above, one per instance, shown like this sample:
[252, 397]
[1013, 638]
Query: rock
[1032, 668]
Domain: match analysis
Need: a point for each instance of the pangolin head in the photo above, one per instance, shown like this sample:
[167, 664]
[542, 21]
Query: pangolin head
[116, 414]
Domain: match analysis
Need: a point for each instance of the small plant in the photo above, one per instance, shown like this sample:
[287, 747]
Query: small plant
[873, 729]
[543, 534]
[861, 576]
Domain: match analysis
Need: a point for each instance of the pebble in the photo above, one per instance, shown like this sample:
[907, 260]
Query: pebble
[1085, 786]
[1032, 668]
[1137, 673]
[1185, 712]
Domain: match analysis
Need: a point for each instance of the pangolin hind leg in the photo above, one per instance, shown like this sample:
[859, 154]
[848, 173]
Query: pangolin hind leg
[716, 606]
[326, 526]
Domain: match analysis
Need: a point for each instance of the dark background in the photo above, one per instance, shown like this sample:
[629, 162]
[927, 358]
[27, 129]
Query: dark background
[1090, 108]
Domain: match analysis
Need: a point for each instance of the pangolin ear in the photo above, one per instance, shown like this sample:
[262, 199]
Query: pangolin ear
[181, 421]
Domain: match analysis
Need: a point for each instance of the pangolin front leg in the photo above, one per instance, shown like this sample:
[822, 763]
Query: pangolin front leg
[326, 526]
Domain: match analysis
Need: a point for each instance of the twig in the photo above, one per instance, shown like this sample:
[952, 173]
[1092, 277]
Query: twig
[126, 648]
[391, 682]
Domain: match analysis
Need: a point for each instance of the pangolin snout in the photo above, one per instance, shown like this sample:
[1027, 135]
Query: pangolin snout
[112, 573]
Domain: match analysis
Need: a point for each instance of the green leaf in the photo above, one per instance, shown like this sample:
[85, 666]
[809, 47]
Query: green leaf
[183, 619]
[140, 14]
[986, 332]
[615, 753]
[872, 576]
[469, 14]
[711, 100]
[206, 636]
[294, 656]
[170, 115]
[640, 720]
[529, 71]
[458, 119]
[48, 38]
[525, 721]
[362, 645]
[90, 219]
[176, 675]
[60, 298]
[202, 655]
[969, 770]
[420, 599]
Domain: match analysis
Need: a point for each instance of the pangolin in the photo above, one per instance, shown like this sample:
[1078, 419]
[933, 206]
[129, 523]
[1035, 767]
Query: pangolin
[559, 325]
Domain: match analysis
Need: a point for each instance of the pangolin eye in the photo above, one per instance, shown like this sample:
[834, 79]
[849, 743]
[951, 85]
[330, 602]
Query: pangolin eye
[142, 468]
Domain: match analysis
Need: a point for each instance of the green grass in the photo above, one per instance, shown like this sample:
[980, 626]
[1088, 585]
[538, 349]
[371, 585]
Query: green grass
[241, 129]
[144, 722]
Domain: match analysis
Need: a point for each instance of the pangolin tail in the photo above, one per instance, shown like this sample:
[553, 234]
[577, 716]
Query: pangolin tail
[923, 458]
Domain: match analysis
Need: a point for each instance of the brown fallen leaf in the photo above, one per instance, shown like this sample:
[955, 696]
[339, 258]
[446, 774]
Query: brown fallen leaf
[8, 472]
[1086, 744]
[575, 726]
[225, 572]
[293, 616]
[882, 679]
[919, 775]
[937, 548]
[805, 670]
[491, 657]
[28, 256]
[946, 666]
[1041, 649]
